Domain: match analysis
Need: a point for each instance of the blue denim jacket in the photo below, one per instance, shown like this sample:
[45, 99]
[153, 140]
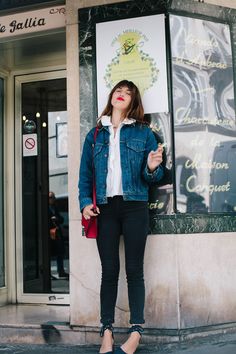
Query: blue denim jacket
[136, 141]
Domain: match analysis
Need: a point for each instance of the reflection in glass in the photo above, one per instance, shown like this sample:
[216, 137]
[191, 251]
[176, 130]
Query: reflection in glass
[61, 132]
[29, 126]
[58, 240]
[58, 200]
[161, 196]
[204, 115]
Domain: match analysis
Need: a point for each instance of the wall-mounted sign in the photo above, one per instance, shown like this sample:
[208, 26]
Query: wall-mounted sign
[30, 145]
[133, 49]
[32, 21]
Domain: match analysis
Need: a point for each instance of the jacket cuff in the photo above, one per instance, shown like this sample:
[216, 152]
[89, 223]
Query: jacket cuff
[84, 202]
[154, 176]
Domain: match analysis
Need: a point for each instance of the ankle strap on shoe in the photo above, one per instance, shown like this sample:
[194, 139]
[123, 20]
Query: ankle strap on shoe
[104, 328]
[136, 328]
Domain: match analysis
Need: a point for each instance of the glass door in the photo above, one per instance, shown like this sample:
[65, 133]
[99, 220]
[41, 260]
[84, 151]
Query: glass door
[43, 272]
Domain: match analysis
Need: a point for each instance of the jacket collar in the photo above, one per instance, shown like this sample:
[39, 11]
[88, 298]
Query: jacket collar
[106, 121]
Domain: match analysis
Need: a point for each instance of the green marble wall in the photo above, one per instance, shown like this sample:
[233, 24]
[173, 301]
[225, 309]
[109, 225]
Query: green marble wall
[88, 17]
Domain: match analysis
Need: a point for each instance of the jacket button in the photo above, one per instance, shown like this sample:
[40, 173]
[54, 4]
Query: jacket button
[105, 155]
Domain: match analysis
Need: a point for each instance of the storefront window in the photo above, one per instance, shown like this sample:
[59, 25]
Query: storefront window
[2, 258]
[204, 115]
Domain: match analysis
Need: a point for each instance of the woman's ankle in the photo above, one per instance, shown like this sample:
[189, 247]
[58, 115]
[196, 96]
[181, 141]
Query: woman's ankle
[106, 328]
[107, 339]
[136, 328]
[132, 343]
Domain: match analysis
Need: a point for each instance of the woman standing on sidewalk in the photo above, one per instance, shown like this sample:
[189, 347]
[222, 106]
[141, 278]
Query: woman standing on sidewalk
[126, 160]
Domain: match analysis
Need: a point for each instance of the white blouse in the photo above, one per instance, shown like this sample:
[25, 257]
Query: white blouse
[114, 174]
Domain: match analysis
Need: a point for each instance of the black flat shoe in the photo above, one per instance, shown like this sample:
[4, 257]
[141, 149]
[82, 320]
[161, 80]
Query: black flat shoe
[119, 351]
[134, 328]
[103, 329]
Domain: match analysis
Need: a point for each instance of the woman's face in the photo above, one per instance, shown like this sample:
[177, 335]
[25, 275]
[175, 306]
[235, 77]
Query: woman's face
[121, 98]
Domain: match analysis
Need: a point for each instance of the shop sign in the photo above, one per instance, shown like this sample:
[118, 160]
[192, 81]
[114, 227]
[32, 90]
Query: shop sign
[32, 21]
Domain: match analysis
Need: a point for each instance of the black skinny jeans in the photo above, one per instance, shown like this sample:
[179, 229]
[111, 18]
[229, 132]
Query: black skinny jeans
[130, 219]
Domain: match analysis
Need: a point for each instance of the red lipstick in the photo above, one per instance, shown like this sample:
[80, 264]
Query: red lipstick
[120, 99]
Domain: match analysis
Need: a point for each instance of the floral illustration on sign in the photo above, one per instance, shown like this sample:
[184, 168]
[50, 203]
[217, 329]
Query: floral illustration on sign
[131, 62]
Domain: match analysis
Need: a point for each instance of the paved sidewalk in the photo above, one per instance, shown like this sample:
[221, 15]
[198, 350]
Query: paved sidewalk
[220, 344]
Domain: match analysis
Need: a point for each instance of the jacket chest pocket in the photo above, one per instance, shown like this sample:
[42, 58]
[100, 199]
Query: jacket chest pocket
[136, 150]
[99, 154]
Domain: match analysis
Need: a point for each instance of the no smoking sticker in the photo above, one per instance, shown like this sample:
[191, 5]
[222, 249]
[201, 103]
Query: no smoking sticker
[30, 145]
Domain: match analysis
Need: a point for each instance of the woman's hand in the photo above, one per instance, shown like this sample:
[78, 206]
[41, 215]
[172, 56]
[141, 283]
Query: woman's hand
[88, 211]
[155, 158]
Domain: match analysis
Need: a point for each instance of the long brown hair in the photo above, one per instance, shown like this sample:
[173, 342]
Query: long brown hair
[135, 109]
